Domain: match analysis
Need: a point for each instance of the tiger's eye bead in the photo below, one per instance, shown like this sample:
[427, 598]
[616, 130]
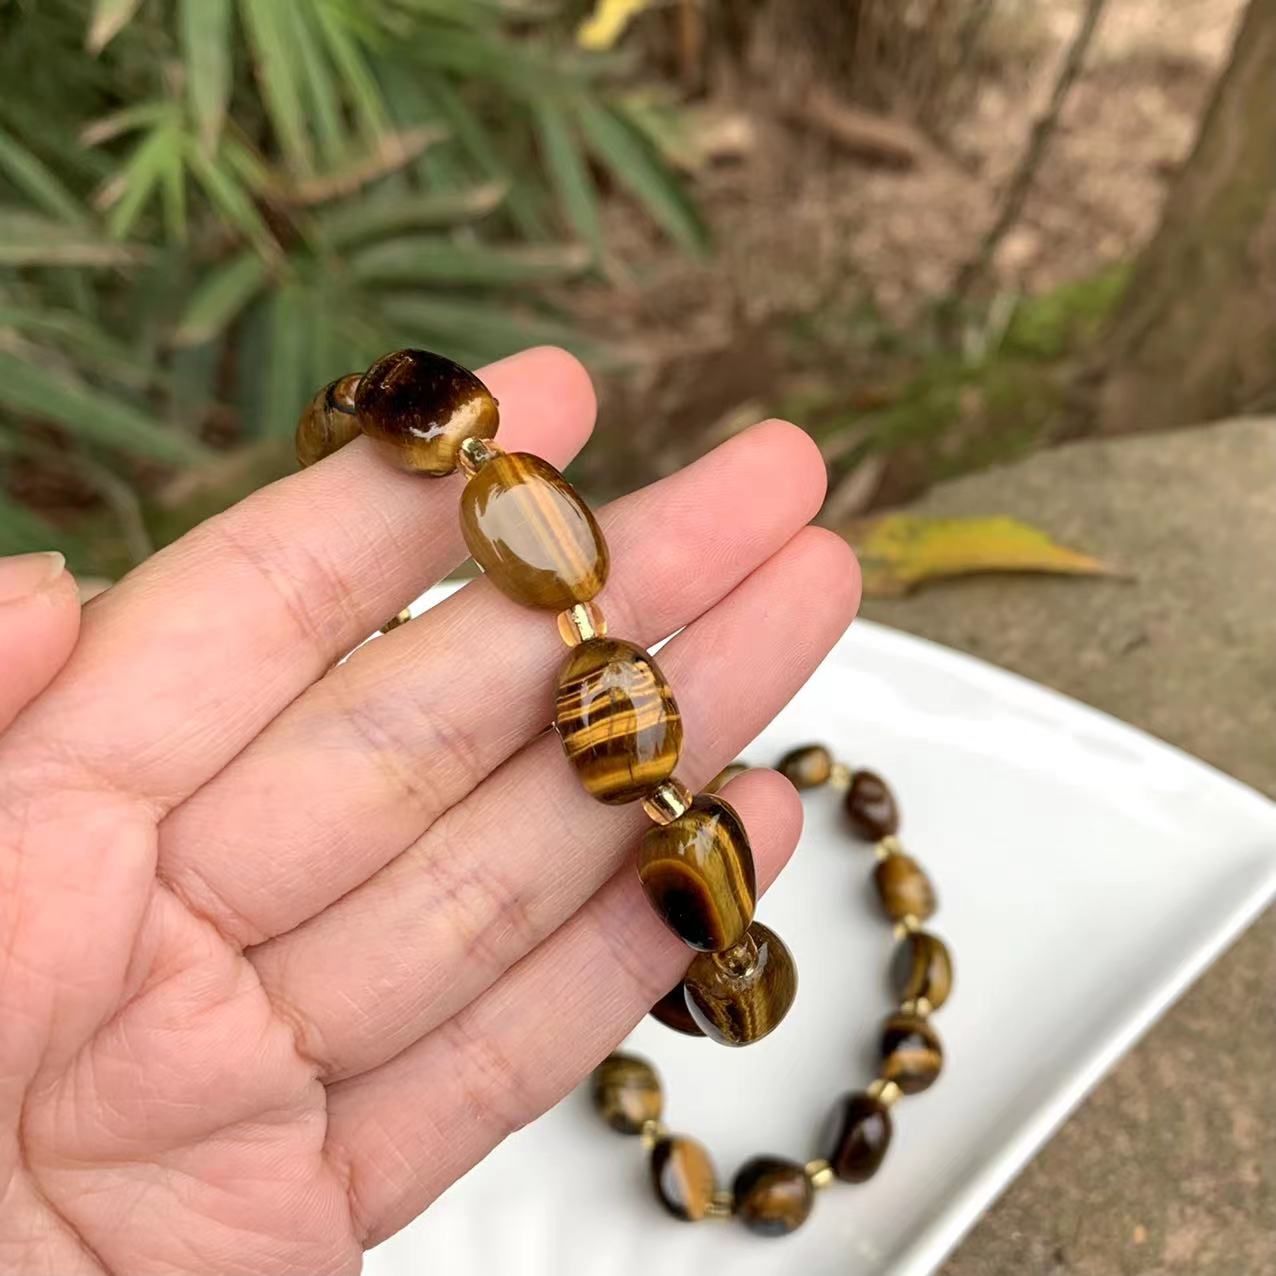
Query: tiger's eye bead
[904, 888]
[871, 806]
[328, 422]
[617, 719]
[531, 533]
[772, 1196]
[911, 1053]
[807, 767]
[857, 1136]
[419, 407]
[626, 1093]
[684, 1177]
[725, 776]
[698, 873]
[671, 1010]
[737, 1006]
[923, 969]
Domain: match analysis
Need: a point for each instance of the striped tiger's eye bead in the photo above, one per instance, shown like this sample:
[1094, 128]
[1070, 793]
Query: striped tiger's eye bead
[698, 873]
[328, 422]
[684, 1177]
[857, 1136]
[871, 806]
[923, 969]
[725, 776]
[773, 1197]
[904, 888]
[671, 1010]
[911, 1054]
[617, 719]
[419, 407]
[807, 767]
[626, 1093]
[531, 533]
[739, 1004]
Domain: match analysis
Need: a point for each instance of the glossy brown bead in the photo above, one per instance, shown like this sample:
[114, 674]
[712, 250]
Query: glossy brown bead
[683, 1176]
[617, 718]
[698, 874]
[857, 1136]
[626, 1093]
[725, 776]
[807, 767]
[923, 968]
[871, 806]
[419, 407]
[772, 1196]
[531, 533]
[911, 1052]
[328, 422]
[671, 1010]
[736, 1005]
[904, 888]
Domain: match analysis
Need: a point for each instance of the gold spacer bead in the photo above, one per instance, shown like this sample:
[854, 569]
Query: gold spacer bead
[668, 800]
[475, 453]
[888, 846]
[581, 623]
[652, 1132]
[394, 622]
[885, 1092]
[820, 1173]
[919, 1006]
[840, 776]
[907, 925]
[722, 1205]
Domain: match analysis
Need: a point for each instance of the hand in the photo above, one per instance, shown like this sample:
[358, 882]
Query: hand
[285, 948]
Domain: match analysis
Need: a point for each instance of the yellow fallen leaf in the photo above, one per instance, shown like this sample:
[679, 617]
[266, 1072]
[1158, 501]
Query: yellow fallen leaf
[899, 551]
[608, 21]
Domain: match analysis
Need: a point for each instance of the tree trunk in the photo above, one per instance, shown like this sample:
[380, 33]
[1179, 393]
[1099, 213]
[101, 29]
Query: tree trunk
[1194, 338]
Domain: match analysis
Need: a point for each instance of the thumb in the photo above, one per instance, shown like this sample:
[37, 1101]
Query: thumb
[39, 621]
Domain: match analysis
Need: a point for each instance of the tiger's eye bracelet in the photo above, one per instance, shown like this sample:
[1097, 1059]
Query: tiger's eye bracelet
[772, 1195]
[537, 541]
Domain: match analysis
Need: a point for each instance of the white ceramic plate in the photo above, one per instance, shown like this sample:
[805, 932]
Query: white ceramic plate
[1087, 873]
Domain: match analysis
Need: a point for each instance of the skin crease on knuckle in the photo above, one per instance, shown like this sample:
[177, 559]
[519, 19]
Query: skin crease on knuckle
[167, 1089]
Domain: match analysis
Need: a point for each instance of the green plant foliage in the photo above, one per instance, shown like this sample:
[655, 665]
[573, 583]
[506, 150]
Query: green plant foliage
[209, 207]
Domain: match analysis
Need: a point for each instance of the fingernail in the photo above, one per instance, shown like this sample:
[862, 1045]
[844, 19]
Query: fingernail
[27, 574]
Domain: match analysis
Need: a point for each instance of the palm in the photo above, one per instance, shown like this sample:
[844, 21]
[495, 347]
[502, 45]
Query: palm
[279, 939]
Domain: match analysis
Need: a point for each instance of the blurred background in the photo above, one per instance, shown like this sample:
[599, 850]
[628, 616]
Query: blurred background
[941, 234]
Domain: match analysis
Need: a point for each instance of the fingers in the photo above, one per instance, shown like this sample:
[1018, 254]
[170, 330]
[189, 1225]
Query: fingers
[405, 1131]
[39, 621]
[363, 763]
[200, 647]
[502, 871]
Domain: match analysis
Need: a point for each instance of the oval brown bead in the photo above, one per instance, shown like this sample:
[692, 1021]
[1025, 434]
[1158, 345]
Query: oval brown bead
[806, 767]
[736, 1004]
[904, 889]
[911, 1053]
[725, 776]
[773, 1197]
[626, 1092]
[923, 968]
[871, 806]
[857, 1136]
[671, 1010]
[328, 422]
[698, 874]
[532, 534]
[617, 719]
[420, 407]
[683, 1176]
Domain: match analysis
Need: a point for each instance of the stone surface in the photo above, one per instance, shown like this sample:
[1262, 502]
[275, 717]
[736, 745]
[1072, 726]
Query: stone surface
[1170, 1166]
